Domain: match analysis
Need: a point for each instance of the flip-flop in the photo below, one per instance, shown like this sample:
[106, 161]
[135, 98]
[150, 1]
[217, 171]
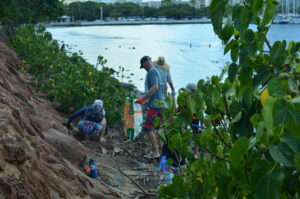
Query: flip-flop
[151, 155]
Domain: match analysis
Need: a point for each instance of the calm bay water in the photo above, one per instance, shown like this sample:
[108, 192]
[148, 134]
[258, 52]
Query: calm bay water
[193, 51]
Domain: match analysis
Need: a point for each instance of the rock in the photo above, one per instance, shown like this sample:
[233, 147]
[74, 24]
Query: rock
[117, 150]
[112, 177]
[68, 147]
[12, 188]
[13, 152]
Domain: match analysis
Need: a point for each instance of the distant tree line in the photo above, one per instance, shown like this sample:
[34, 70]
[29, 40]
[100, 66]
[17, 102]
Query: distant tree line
[14, 13]
[91, 10]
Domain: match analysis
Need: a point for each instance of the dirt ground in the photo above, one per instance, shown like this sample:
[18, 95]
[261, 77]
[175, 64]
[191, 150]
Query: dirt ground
[122, 166]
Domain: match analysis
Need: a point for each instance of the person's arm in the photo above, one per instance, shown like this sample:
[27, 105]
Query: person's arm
[152, 90]
[153, 80]
[76, 114]
[170, 82]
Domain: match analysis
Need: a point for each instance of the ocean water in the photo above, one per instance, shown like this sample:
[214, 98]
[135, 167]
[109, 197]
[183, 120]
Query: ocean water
[193, 50]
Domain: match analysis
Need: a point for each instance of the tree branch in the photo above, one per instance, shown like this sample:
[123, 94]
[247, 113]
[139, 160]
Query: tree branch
[224, 126]
[215, 128]
[268, 44]
[141, 188]
[217, 156]
[226, 107]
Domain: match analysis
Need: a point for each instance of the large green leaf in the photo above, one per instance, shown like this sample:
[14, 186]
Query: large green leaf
[232, 72]
[262, 76]
[297, 68]
[295, 48]
[293, 143]
[232, 43]
[269, 12]
[217, 10]
[282, 154]
[257, 6]
[280, 112]
[176, 142]
[227, 32]
[269, 185]
[246, 17]
[234, 53]
[275, 87]
[293, 127]
[239, 148]
[277, 56]
[297, 161]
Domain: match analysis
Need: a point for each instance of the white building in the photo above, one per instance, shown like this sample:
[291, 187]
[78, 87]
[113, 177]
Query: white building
[155, 4]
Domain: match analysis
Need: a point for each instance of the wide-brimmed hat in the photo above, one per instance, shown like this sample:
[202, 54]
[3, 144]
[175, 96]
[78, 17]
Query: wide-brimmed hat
[160, 62]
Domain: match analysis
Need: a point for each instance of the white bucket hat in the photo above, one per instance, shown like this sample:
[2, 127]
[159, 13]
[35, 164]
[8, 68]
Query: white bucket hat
[98, 102]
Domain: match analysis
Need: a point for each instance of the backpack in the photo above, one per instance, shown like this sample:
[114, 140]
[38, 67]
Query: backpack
[94, 113]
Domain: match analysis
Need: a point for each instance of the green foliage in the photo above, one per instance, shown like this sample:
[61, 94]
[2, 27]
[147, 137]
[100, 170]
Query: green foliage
[17, 12]
[248, 150]
[69, 80]
[90, 10]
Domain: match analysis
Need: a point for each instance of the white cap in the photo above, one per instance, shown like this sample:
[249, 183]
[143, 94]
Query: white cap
[98, 102]
[191, 86]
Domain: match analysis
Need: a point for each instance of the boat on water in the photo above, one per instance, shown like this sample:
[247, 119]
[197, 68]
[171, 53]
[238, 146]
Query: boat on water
[295, 19]
[281, 19]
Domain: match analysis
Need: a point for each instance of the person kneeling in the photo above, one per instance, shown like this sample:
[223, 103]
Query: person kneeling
[93, 121]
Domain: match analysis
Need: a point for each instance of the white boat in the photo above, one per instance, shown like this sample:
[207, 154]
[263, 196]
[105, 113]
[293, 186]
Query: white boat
[295, 19]
[281, 19]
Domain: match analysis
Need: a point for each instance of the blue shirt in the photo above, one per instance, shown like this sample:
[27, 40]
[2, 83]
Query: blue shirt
[81, 112]
[155, 76]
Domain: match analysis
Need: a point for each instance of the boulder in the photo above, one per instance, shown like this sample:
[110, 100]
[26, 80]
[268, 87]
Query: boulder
[68, 147]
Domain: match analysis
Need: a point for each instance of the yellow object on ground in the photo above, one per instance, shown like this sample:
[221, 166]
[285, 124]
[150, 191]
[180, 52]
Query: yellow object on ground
[264, 95]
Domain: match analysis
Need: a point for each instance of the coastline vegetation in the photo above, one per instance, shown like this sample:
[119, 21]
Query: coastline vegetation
[68, 79]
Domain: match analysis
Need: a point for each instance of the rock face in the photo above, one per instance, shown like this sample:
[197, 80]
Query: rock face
[37, 161]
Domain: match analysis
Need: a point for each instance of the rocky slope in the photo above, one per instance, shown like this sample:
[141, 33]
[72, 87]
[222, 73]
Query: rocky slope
[37, 160]
[40, 160]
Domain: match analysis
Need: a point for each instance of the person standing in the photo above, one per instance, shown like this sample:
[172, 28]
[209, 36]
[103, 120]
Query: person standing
[155, 95]
[166, 75]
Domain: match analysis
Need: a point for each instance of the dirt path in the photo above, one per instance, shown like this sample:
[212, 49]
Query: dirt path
[122, 167]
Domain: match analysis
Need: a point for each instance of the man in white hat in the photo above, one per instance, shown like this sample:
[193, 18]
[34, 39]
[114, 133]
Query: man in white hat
[93, 121]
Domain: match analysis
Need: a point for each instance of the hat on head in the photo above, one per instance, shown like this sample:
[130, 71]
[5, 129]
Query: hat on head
[160, 62]
[98, 102]
[144, 59]
[191, 87]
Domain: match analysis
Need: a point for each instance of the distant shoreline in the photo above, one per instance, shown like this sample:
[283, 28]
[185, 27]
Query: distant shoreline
[109, 23]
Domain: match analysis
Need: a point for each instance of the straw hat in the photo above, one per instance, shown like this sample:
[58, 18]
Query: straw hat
[160, 62]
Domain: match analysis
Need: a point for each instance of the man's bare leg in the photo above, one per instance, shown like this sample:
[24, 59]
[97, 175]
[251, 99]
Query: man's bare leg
[102, 132]
[154, 143]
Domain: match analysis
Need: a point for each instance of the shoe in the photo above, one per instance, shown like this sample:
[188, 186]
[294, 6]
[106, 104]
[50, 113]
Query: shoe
[102, 139]
[151, 155]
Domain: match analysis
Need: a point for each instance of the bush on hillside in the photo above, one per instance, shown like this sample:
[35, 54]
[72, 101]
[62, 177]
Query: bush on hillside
[68, 78]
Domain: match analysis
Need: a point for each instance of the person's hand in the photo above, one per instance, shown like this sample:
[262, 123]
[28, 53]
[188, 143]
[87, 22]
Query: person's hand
[68, 125]
[142, 100]
[173, 93]
[162, 166]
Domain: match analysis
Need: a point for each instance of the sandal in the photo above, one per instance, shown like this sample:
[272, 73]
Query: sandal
[151, 155]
